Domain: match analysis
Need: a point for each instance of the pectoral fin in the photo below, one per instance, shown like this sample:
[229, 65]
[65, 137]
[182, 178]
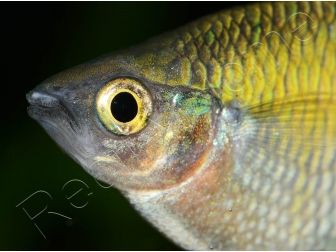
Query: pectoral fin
[296, 135]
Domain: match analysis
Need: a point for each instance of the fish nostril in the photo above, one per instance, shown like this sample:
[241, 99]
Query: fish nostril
[40, 98]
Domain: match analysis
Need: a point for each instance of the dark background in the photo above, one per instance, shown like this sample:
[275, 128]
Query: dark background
[41, 39]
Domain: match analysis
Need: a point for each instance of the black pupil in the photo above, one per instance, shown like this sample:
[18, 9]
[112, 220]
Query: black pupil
[124, 107]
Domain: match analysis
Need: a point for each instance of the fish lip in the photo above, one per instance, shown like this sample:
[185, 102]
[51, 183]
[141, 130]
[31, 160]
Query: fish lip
[42, 99]
[47, 107]
[41, 103]
[57, 119]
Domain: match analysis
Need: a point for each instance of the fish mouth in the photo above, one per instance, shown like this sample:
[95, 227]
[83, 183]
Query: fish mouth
[56, 119]
[45, 107]
[42, 99]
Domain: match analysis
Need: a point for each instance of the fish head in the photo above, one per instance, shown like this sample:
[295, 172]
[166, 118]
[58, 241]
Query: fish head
[124, 128]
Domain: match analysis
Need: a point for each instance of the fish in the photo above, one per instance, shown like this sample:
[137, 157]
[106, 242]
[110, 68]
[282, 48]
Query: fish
[221, 133]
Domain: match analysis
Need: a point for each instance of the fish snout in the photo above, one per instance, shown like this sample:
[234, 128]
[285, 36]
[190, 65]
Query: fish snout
[46, 104]
[41, 98]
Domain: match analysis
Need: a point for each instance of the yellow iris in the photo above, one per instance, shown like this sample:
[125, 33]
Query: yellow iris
[124, 106]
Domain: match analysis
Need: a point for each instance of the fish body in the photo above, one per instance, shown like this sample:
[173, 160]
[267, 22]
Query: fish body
[232, 145]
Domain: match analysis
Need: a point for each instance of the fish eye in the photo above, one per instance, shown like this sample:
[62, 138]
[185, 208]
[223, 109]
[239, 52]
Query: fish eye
[124, 106]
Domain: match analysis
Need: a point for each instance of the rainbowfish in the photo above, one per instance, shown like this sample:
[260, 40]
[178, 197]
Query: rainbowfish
[221, 133]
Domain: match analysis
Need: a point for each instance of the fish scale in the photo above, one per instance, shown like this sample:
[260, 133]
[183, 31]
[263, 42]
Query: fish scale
[240, 152]
[293, 78]
[230, 51]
